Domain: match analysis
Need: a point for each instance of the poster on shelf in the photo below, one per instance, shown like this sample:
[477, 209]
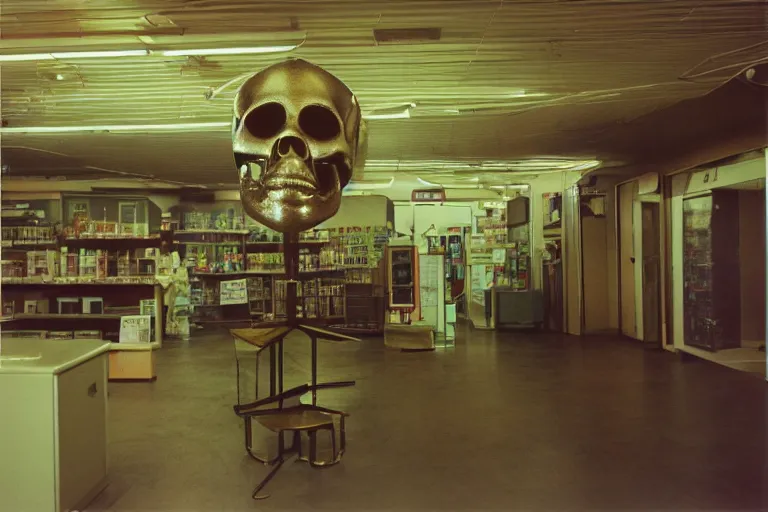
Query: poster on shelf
[482, 279]
[136, 329]
[233, 292]
[432, 291]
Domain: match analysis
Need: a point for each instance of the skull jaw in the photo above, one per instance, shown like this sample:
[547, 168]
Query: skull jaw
[287, 211]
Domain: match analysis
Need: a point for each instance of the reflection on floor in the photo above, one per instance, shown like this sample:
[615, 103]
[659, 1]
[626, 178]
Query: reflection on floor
[747, 358]
[500, 422]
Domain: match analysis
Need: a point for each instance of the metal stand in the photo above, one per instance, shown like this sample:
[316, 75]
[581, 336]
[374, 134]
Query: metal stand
[270, 411]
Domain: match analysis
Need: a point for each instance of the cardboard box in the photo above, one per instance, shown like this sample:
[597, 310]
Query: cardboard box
[69, 305]
[93, 305]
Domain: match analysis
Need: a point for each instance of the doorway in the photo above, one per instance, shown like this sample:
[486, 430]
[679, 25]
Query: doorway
[651, 255]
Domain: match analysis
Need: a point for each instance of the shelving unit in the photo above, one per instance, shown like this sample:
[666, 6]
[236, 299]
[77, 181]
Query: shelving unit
[403, 283]
[96, 259]
[712, 299]
[348, 262]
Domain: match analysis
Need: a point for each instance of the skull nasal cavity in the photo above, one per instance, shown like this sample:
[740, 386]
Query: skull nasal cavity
[285, 145]
[266, 120]
[319, 122]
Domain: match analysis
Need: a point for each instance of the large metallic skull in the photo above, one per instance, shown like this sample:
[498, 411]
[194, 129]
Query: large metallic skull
[297, 135]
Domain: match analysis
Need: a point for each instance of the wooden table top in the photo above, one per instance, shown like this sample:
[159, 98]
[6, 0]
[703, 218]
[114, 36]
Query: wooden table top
[324, 334]
[261, 337]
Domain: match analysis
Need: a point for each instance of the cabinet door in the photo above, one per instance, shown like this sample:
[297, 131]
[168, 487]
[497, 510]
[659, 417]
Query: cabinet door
[82, 431]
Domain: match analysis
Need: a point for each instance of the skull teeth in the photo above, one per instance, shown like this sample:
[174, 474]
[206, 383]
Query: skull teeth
[297, 183]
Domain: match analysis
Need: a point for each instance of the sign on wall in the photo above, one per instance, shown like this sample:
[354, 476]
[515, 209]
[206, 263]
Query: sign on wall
[429, 195]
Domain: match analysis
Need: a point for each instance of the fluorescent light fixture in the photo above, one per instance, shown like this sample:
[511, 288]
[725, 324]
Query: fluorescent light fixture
[115, 128]
[369, 186]
[428, 183]
[405, 114]
[96, 55]
[73, 55]
[28, 56]
[145, 52]
[228, 51]
[471, 167]
[508, 187]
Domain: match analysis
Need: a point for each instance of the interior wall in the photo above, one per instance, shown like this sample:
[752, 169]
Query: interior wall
[572, 262]
[608, 185]
[752, 228]
[627, 199]
[679, 183]
[543, 184]
[404, 218]
[594, 243]
[370, 210]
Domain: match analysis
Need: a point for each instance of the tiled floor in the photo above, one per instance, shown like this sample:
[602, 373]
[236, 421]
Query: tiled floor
[503, 421]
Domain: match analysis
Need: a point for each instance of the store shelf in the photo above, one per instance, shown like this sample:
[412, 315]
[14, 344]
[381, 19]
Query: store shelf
[27, 243]
[85, 281]
[214, 244]
[301, 242]
[211, 232]
[56, 316]
[111, 237]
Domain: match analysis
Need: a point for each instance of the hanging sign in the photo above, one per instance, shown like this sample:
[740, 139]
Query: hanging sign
[434, 195]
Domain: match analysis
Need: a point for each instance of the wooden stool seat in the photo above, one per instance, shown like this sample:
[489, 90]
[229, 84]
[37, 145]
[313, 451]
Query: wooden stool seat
[298, 418]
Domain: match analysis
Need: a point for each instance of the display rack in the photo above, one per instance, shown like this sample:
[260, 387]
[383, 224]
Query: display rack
[712, 299]
[403, 283]
[85, 280]
[333, 265]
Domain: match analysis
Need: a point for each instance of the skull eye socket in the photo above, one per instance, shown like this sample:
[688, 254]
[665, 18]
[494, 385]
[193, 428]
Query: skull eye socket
[266, 120]
[319, 122]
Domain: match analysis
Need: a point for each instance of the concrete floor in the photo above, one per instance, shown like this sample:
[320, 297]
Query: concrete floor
[503, 421]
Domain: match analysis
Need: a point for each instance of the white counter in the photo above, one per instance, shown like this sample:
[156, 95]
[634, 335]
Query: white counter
[53, 432]
[46, 356]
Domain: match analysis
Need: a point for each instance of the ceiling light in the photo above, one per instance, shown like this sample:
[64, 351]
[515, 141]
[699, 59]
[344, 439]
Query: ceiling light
[115, 128]
[59, 76]
[137, 127]
[369, 186]
[507, 187]
[28, 56]
[145, 52]
[403, 113]
[73, 55]
[228, 51]
[470, 167]
[99, 54]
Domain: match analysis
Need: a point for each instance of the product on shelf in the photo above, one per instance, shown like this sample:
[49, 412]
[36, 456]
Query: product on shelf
[265, 262]
[22, 235]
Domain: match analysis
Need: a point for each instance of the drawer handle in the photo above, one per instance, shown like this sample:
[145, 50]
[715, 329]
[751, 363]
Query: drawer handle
[92, 390]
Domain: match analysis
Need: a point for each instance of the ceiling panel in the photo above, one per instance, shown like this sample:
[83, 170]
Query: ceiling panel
[507, 80]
